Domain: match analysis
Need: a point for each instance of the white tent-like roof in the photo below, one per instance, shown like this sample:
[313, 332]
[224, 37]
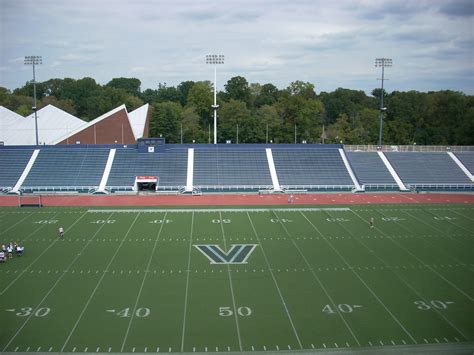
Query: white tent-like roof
[55, 125]
[52, 122]
[137, 120]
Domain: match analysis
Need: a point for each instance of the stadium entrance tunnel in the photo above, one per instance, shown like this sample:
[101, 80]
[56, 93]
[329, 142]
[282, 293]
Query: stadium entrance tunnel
[146, 186]
[145, 183]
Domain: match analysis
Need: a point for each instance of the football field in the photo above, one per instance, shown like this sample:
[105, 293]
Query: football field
[237, 279]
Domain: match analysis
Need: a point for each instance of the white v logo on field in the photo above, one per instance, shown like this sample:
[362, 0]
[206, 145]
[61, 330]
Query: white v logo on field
[237, 254]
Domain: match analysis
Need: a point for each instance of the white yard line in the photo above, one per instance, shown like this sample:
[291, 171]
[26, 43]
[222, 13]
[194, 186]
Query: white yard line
[318, 279]
[462, 215]
[51, 288]
[5, 289]
[361, 280]
[275, 281]
[143, 283]
[187, 282]
[452, 223]
[410, 286]
[231, 287]
[426, 240]
[13, 225]
[98, 283]
[215, 210]
[420, 260]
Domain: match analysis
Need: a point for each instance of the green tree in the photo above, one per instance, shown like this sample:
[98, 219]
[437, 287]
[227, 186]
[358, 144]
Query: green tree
[268, 95]
[237, 88]
[232, 114]
[192, 131]
[269, 121]
[183, 91]
[130, 85]
[165, 121]
[201, 98]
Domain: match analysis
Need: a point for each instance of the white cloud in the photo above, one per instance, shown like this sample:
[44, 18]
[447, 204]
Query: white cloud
[331, 44]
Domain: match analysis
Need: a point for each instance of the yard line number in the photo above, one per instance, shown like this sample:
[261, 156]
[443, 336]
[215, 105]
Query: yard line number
[27, 311]
[437, 304]
[241, 311]
[125, 313]
[161, 221]
[337, 219]
[281, 220]
[46, 221]
[444, 218]
[342, 307]
[392, 219]
[104, 221]
[219, 221]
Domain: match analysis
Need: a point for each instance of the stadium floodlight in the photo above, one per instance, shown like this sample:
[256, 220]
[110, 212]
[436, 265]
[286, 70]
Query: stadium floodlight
[382, 62]
[34, 60]
[215, 59]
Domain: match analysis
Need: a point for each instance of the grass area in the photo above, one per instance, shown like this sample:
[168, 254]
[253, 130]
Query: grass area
[207, 280]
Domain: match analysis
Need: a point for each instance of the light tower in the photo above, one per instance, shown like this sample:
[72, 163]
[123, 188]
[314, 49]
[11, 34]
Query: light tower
[34, 60]
[215, 59]
[382, 62]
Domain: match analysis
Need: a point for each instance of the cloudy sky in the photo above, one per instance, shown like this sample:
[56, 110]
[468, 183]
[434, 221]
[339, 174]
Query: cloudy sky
[328, 43]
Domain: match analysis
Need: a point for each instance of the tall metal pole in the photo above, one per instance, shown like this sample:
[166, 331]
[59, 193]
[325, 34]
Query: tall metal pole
[382, 62]
[33, 60]
[215, 59]
[215, 106]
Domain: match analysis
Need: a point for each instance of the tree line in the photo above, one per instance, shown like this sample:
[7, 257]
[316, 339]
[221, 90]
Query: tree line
[260, 113]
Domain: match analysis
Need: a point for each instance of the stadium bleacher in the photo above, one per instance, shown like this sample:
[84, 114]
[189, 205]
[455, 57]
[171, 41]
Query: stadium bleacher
[170, 166]
[467, 158]
[227, 167]
[12, 164]
[309, 167]
[427, 169]
[371, 171]
[66, 169]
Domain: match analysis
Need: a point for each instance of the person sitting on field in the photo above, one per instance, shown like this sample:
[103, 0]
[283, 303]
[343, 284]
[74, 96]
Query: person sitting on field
[19, 250]
[10, 250]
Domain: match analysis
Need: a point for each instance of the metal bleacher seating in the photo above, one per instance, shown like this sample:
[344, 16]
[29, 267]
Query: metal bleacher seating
[66, 169]
[12, 164]
[467, 158]
[371, 170]
[170, 166]
[231, 167]
[311, 168]
[427, 169]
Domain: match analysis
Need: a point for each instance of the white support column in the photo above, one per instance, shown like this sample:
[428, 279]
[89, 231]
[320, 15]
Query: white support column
[349, 170]
[461, 165]
[273, 173]
[392, 171]
[108, 167]
[25, 173]
[190, 175]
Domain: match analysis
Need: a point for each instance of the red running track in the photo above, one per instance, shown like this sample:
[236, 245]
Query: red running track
[238, 199]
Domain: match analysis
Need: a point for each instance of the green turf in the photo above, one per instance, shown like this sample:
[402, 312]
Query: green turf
[133, 280]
